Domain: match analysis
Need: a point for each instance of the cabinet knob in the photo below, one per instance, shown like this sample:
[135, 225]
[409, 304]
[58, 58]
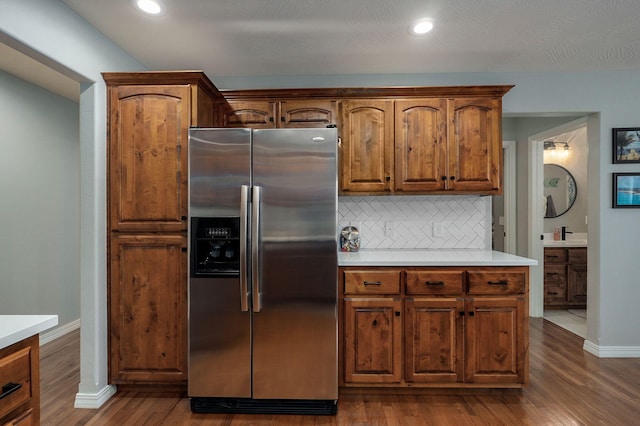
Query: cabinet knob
[444, 178]
[183, 218]
[452, 178]
[471, 313]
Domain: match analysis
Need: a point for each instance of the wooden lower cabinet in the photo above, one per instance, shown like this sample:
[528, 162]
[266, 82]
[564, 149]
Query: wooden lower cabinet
[434, 340]
[373, 340]
[148, 309]
[443, 327]
[20, 380]
[565, 277]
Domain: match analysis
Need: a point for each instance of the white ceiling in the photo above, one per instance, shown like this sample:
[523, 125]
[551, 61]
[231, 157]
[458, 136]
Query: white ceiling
[313, 37]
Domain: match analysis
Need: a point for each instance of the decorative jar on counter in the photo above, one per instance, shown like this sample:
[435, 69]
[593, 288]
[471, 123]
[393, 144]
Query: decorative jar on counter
[349, 239]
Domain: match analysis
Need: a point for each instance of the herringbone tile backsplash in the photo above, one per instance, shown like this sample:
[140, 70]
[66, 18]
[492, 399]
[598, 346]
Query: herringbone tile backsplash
[418, 222]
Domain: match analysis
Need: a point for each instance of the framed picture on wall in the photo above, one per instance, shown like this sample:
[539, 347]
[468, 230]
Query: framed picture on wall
[626, 190]
[626, 145]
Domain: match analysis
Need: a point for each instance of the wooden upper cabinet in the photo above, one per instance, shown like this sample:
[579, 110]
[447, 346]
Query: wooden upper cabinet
[367, 145]
[147, 151]
[271, 114]
[253, 114]
[307, 113]
[421, 140]
[149, 119]
[420, 145]
[475, 145]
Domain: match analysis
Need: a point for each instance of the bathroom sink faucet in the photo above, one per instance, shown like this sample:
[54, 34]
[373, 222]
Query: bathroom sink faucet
[565, 232]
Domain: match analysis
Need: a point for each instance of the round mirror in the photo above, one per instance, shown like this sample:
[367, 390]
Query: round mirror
[560, 190]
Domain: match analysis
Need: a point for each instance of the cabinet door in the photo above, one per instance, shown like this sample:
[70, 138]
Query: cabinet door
[367, 145]
[314, 113]
[148, 309]
[373, 340]
[496, 340]
[577, 283]
[420, 145]
[475, 145]
[434, 340]
[252, 114]
[148, 132]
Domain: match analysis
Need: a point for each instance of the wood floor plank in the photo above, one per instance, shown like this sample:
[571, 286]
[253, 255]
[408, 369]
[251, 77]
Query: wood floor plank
[568, 386]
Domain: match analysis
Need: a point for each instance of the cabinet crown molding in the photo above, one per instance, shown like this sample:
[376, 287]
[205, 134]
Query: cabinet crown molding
[391, 92]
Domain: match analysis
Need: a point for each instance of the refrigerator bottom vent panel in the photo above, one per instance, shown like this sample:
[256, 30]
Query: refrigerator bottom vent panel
[264, 406]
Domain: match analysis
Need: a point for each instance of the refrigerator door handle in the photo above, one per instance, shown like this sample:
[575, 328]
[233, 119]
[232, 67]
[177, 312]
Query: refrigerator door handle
[255, 248]
[244, 224]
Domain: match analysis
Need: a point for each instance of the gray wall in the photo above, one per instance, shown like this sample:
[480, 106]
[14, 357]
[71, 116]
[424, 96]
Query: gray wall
[71, 46]
[40, 211]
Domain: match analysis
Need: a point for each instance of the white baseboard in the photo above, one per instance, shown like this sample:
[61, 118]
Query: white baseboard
[611, 351]
[94, 400]
[59, 332]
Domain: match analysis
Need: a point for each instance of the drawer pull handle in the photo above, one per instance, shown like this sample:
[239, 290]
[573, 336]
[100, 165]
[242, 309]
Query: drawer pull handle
[552, 293]
[372, 283]
[501, 282]
[433, 283]
[9, 388]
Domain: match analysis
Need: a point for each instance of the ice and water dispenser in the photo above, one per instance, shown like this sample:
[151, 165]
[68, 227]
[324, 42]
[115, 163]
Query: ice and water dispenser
[215, 247]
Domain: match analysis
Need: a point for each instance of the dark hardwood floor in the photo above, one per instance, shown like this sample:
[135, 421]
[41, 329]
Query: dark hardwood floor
[567, 387]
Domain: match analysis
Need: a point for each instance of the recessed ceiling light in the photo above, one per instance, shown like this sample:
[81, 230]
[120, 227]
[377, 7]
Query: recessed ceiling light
[421, 27]
[152, 7]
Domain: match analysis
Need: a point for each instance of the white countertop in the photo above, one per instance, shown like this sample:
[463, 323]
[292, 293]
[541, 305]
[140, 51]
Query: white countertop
[577, 239]
[565, 243]
[400, 257]
[14, 328]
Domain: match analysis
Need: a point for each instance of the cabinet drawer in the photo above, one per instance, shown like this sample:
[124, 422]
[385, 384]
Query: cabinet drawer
[435, 282]
[555, 294]
[577, 256]
[555, 274]
[497, 282]
[555, 255]
[372, 282]
[15, 370]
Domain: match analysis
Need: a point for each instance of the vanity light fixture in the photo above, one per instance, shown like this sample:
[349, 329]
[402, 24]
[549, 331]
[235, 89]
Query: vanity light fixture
[151, 7]
[421, 27]
[549, 145]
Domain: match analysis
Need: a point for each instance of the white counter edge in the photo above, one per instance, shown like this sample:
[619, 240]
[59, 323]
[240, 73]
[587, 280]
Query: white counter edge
[14, 328]
[432, 258]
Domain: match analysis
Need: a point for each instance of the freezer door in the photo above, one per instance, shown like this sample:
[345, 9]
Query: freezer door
[295, 318]
[219, 340]
[219, 163]
[219, 324]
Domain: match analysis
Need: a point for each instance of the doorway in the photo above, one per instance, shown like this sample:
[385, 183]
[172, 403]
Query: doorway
[567, 150]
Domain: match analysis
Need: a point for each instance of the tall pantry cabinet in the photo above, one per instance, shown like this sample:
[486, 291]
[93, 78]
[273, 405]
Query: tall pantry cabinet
[149, 115]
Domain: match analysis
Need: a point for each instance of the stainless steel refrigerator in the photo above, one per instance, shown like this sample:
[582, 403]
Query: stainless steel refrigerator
[263, 270]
